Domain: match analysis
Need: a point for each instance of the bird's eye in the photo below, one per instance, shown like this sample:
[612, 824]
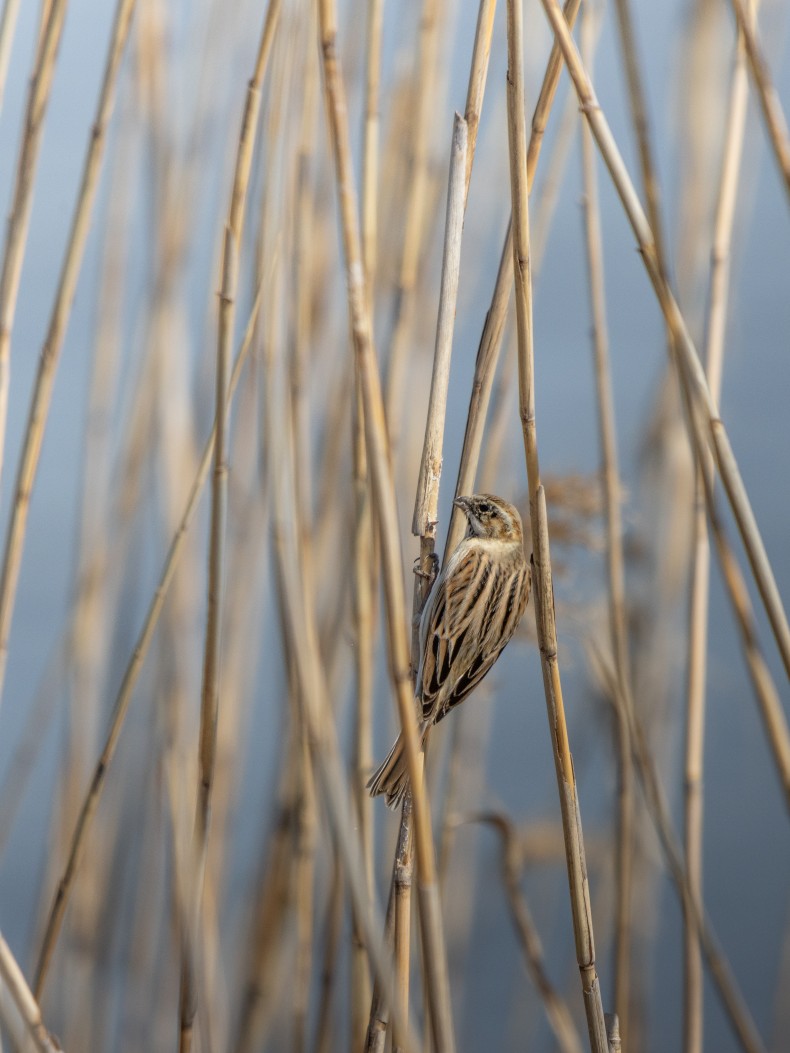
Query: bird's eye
[485, 508]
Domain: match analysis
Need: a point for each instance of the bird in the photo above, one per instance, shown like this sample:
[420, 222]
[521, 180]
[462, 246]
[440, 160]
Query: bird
[471, 613]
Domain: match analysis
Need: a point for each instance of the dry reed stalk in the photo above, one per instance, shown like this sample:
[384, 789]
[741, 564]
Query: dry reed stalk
[610, 484]
[699, 590]
[210, 688]
[370, 144]
[478, 74]
[363, 600]
[403, 881]
[378, 1021]
[364, 583]
[7, 29]
[329, 971]
[640, 121]
[271, 910]
[426, 505]
[14, 981]
[129, 682]
[775, 121]
[50, 30]
[684, 355]
[299, 421]
[557, 1012]
[384, 497]
[491, 338]
[416, 209]
[306, 823]
[724, 981]
[542, 584]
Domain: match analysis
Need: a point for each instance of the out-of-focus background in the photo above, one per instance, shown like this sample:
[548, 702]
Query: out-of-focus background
[132, 408]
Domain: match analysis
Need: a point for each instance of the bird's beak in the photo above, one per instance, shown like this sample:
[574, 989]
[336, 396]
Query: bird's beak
[462, 503]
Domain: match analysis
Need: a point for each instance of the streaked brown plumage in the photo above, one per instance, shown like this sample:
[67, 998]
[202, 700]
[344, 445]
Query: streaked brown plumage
[471, 613]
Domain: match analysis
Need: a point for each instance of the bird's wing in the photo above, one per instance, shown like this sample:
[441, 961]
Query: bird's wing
[467, 626]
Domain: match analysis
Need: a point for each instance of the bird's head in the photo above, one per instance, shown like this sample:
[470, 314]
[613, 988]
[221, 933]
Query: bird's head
[490, 517]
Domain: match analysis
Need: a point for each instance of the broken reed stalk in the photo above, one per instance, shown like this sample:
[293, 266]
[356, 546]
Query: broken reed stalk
[14, 981]
[210, 687]
[700, 575]
[683, 353]
[542, 585]
[61, 309]
[129, 680]
[775, 121]
[556, 1008]
[377, 446]
[615, 563]
[19, 216]
[494, 326]
[426, 505]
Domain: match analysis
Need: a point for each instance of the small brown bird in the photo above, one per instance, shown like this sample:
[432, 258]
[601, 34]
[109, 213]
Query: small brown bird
[471, 613]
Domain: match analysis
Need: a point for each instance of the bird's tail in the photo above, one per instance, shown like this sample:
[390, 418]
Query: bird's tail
[392, 778]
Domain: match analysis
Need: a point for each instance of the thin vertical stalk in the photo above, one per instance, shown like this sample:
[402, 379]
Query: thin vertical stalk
[210, 688]
[639, 119]
[52, 16]
[363, 598]
[610, 483]
[542, 584]
[329, 973]
[300, 423]
[478, 74]
[426, 505]
[438, 995]
[364, 586]
[414, 214]
[700, 578]
[370, 143]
